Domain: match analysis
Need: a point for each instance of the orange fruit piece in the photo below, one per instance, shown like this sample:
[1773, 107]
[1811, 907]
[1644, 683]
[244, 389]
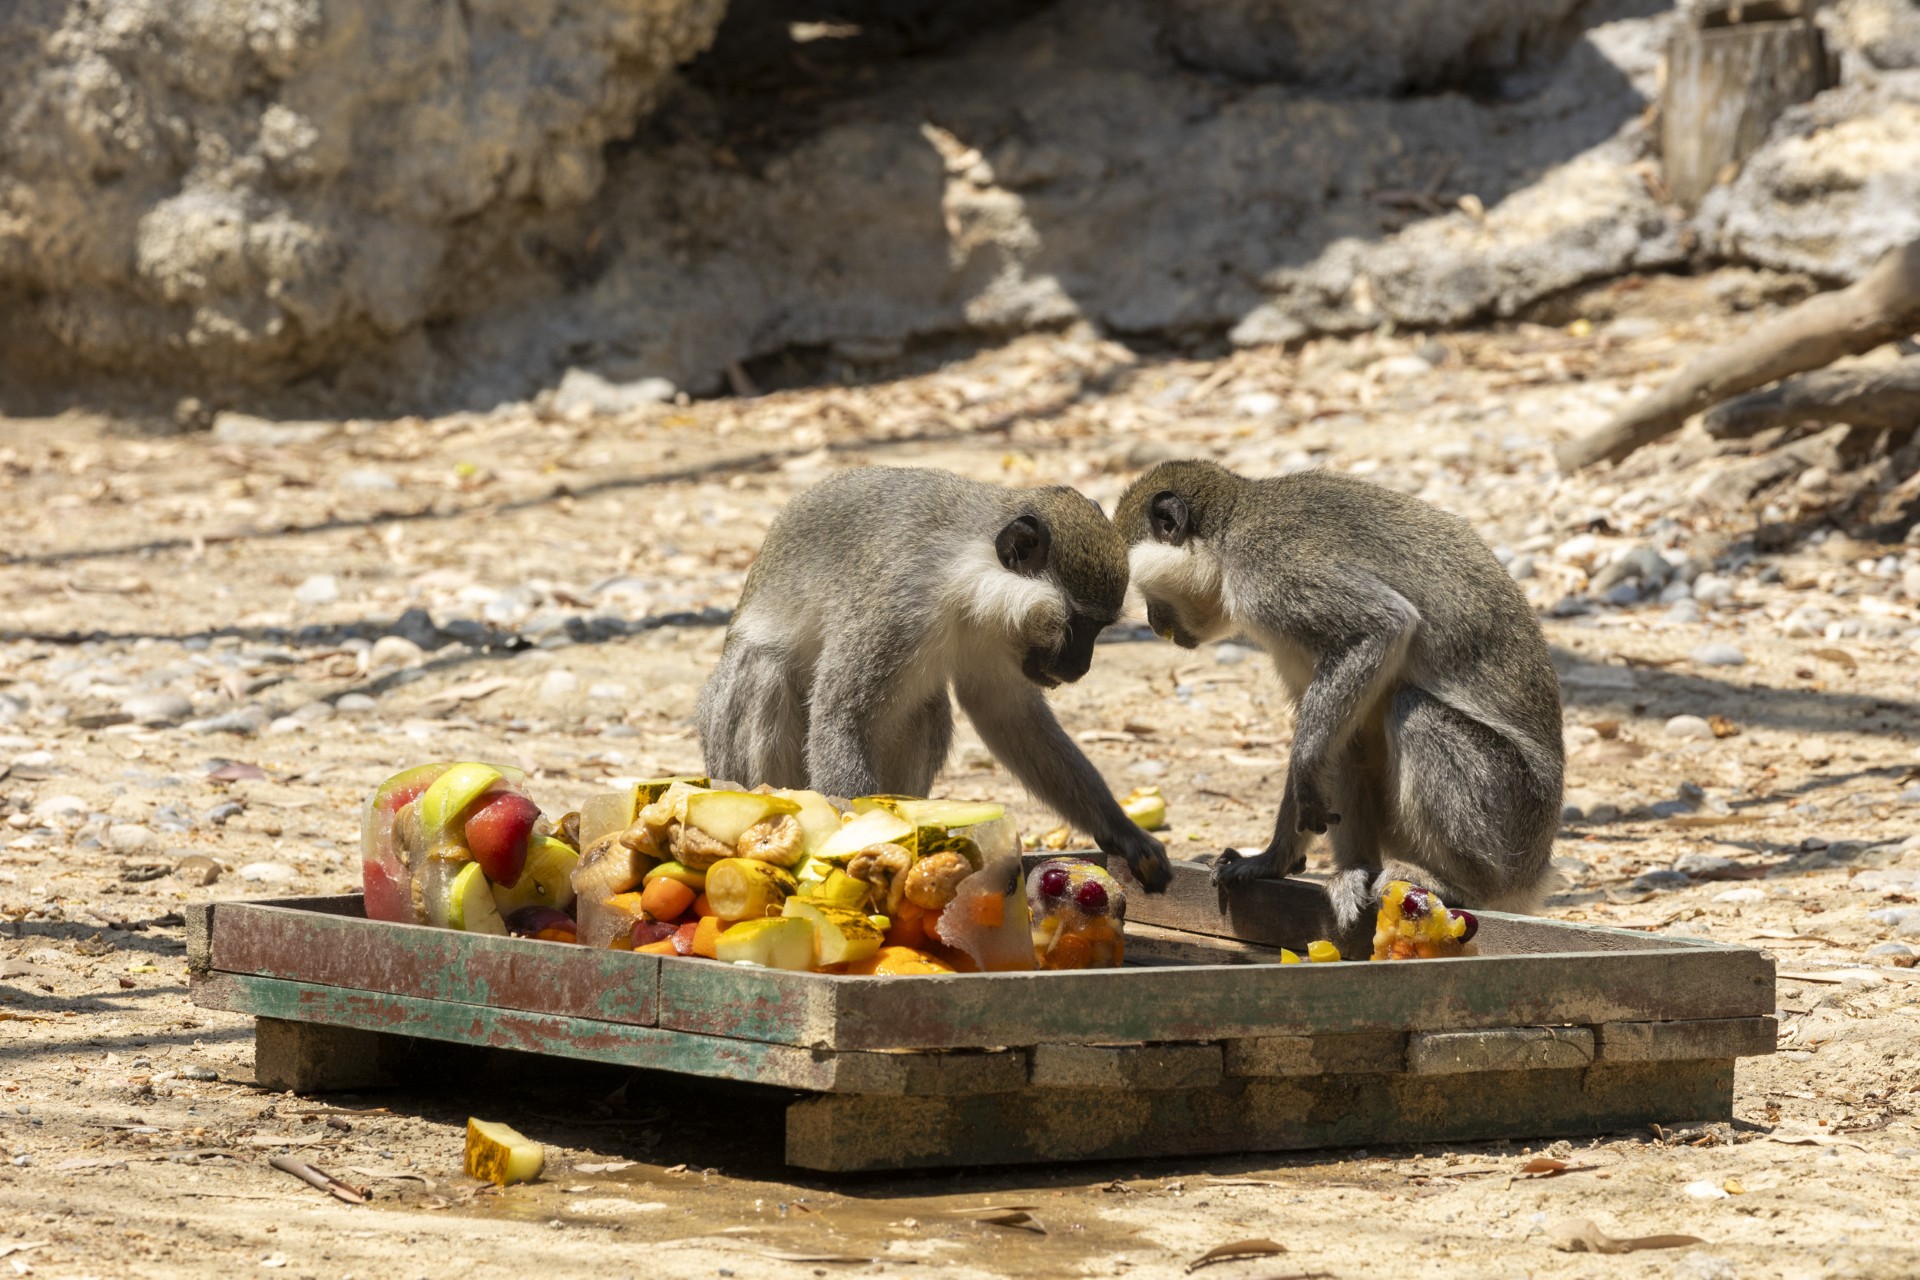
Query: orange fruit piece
[664, 947]
[706, 937]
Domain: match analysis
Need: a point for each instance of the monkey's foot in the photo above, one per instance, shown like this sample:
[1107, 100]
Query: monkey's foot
[1353, 895]
[1233, 867]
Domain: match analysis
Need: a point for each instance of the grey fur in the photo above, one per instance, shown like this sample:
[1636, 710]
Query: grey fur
[1427, 723]
[853, 626]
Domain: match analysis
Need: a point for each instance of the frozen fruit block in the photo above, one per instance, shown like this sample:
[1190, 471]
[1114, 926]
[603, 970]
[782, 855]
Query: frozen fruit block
[385, 867]
[1414, 924]
[1079, 914]
[988, 918]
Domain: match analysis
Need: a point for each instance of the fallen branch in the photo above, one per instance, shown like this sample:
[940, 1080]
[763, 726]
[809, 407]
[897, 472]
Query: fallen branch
[1884, 399]
[1882, 306]
[320, 1179]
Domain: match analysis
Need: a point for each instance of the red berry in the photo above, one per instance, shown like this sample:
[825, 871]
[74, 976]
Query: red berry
[1414, 904]
[1053, 881]
[1473, 925]
[1092, 897]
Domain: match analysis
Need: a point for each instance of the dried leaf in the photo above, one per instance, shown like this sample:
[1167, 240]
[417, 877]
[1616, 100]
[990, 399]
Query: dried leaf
[8, 1250]
[848, 1259]
[1838, 657]
[1236, 1249]
[1722, 727]
[1577, 1234]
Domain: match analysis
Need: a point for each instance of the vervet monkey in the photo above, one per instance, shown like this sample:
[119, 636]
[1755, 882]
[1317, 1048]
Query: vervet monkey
[1426, 712]
[879, 589]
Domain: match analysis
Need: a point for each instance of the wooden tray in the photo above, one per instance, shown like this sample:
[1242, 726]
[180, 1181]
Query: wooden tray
[1200, 1044]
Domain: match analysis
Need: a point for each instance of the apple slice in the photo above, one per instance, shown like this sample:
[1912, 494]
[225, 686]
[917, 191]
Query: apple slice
[1147, 807]
[876, 826]
[497, 830]
[546, 880]
[444, 804]
[819, 820]
[498, 1154]
[470, 906]
[840, 934]
[742, 889]
[778, 942]
[724, 815]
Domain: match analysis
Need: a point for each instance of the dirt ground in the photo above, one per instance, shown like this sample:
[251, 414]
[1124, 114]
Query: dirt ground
[174, 604]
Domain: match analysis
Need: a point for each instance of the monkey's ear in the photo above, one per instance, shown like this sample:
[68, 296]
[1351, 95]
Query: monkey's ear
[1023, 545]
[1169, 516]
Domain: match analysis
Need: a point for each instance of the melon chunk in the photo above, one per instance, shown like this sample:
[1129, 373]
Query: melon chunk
[840, 934]
[498, 1154]
[725, 815]
[951, 814]
[777, 942]
[819, 820]
[876, 826]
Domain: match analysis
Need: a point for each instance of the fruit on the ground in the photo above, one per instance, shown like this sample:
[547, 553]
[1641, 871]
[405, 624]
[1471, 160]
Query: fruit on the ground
[694, 880]
[742, 889]
[988, 918]
[666, 899]
[899, 962]
[876, 826]
[726, 815]
[1413, 924]
[840, 934]
[934, 880]
[1147, 807]
[838, 889]
[607, 813]
[776, 942]
[497, 829]
[818, 819]
[470, 904]
[706, 937]
[445, 803]
[1322, 951]
[497, 1154]
[1079, 914]
[546, 880]
[545, 923]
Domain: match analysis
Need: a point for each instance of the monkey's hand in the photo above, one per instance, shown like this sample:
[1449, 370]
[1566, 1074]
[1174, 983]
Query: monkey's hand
[1145, 857]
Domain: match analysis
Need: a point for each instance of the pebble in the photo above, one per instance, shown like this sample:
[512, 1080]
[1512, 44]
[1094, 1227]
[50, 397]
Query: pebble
[321, 588]
[219, 814]
[583, 393]
[390, 652]
[1683, 612]
[557, 684]
[313, 712]
[1256, 404]
[367, 479]
[607, 691]
[1748, 893]
[417, 625]
[284, 725]
[197, 869]
[157, 708]
[354, 704]
[1712, 590]
[1520, 568]
[1704, 1190]
[269, 873]
[60, 807]
[194, 1071]
[127, 837]
[246, 720]
[1661, 881]
[1813, 750]
[1806, 622]
[1718, 654]
[1703, 866]
[1689, 727]
[1148, 769]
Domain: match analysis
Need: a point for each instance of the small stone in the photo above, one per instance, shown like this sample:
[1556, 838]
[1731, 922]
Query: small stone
[197, 869]
[1898, 954]
[1712, 590]
[249, 719]
[393, 652]
[268, 873]
[194, 1071]
[284, 725]
[1749, 893]
[1148, 769]
[1622, 594]
[1683, 613]
[1704, 1190]
[1521, 568]
[1257, 404]
[1704, 866]
[354, 704]
[157, 708]
[56, 807]
[367, 479]
[313, 712]
[1718, 654]
[557, 684]
[1661, 881]
[321, 588]
[127, 837]
[1694, 727]
[607, 691]
[417, 625]
[583, 393]
[1806, 622]
[1813, 750]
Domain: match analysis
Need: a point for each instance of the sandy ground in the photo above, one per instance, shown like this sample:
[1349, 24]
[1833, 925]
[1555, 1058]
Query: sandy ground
[175, 604]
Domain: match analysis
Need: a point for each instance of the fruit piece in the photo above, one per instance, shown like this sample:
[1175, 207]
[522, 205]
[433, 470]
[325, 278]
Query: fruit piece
[869, 829]
[776, 942]
[1147, 807]
[546, 881]
[840, 934]
[726, 815]
[444, 803]
[651, 789]
[1288, 957]
[645, 933]
[664, 947]
[470, 904]
[1414, 924]
[706, 937]
[907, 927]
[1069, 950]
[607, 813]
[501, 1156]
[545, 923]
[988, 918]
[1053, 881]
[741, 889]
[898, 961]
[935, 879]
[952, 815]
[838, 890]
[703, 907]
[385, 867]
[1472, 923]
[666, 899]
[497, 830]
[819, 820]
[433, 885]
[604, 872]
[1091, 898]
[1322, 951]
[694, 880]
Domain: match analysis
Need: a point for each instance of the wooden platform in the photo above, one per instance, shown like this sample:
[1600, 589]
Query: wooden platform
[1201, 1044]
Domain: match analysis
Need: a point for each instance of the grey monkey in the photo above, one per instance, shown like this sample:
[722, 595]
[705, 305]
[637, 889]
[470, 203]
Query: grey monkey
[878, 590]
[1427, 714]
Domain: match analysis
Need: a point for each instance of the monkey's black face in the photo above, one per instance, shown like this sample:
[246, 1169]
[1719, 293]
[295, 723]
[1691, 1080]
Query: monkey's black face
[1165, 621]
[1050, 668]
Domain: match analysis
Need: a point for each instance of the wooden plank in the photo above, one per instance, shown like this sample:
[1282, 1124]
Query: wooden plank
[1150, 944]
[1440, 1053]
[434, 964]
[1680, 1041]
[1130, 1066]
[844, 1133]
[199, 925]
[1364, 1051]
[1723, 90]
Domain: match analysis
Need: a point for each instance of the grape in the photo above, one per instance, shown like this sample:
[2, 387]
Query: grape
[1053, 881]
[1092, 897]
[1414, 904]
[1473, 925]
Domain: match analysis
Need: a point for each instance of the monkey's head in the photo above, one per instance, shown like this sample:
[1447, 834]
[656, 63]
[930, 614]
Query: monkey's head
[1070, 581]
[1170, 517]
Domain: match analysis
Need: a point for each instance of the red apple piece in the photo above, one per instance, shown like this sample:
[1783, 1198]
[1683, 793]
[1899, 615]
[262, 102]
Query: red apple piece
[497, 830]
[683, 937]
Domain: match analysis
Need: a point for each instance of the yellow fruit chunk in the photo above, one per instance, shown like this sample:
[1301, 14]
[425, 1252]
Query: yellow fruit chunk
[778, 942]
[1322, 951]
[899, 961]
[725, 815]
[1288, 957]
[1147, 807]
[1414, 924]
[841, 935]
[743, 889]
[497, 1154]
[470, 906]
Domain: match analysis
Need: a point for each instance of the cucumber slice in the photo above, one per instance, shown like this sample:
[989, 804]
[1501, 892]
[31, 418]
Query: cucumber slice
[819, 820]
